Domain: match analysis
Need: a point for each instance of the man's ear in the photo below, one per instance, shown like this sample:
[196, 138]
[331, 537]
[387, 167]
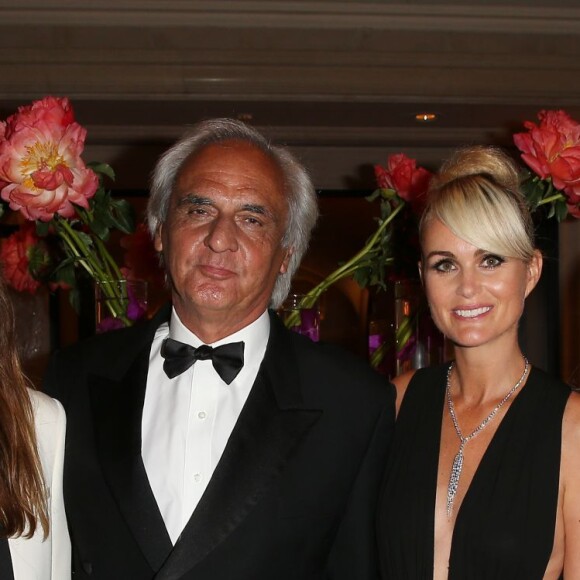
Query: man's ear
[286, 260]
[157, 240]
[534, 271]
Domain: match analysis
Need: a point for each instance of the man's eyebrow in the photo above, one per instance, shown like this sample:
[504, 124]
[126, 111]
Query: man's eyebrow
[255, 208]
[193, 199]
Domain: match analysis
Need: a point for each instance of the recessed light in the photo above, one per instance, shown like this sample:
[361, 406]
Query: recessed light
[425, 117]
[245, 117]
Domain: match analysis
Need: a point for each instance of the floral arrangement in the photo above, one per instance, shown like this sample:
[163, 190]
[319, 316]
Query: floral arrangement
[60, 206]
[400, 182]
[402, 189]
[551, 149]
[63, 215]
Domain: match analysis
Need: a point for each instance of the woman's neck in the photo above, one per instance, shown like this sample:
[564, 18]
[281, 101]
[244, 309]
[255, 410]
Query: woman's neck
[479, 376]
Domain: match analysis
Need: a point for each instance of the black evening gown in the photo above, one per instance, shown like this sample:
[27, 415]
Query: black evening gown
[505, 525]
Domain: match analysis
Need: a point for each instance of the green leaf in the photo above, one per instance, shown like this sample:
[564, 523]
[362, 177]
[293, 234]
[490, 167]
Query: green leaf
[42, 228]
[123, 215]
[38, 261]
[102, 169]
[561, 210]
[362, 277]
[100, 225]
[534, 190]
[376, 193]
[66, 273]
[86, 238]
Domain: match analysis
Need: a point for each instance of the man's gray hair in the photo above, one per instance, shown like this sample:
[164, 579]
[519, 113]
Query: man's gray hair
[299, 191]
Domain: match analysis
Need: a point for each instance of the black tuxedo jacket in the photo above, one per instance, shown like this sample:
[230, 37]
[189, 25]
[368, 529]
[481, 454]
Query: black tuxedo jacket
[293, 496]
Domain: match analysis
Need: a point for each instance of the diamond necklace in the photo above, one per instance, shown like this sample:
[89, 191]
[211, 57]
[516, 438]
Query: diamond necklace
[458, 461]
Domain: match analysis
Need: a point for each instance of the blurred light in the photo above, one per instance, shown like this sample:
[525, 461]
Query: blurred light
[425, 117]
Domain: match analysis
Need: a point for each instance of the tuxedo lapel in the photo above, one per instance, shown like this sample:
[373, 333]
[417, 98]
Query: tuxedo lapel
[117, 410]
[271, 424]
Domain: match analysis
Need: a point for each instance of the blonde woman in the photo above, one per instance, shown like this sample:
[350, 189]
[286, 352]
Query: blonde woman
[483, 481]
[34, 542]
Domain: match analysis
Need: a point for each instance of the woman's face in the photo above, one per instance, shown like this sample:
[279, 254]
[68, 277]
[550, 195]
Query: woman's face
[476, 297]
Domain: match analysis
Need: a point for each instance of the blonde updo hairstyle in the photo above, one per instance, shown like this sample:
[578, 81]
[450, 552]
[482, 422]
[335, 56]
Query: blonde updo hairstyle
[476, 194]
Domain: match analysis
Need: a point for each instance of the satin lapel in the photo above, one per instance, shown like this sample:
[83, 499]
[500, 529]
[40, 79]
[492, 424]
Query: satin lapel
[262, 441]
[117, 409]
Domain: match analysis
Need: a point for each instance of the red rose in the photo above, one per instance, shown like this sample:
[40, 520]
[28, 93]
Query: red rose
[405, 178]
[41, 170]
[15, 255]
[552, 150]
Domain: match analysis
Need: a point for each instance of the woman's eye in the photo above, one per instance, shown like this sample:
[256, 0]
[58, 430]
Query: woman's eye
[491, 261]
[443, 266]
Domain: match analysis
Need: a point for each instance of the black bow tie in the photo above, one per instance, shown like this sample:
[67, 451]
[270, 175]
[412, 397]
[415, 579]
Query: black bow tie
[227, 359]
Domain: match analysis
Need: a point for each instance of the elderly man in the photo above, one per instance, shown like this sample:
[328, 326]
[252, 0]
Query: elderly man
[211, 443]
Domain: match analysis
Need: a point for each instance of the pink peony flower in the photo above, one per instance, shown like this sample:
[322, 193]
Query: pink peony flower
[15, 256]
[552, 150]
[41, 170]
[409, 181]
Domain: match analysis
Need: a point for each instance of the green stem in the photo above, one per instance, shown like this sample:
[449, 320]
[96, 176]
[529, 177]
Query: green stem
[353, 264]
[99, 269]
[71, 247]
[555, 197]
[403, 334]
[378, 355]
[113, 270]
[347, 269]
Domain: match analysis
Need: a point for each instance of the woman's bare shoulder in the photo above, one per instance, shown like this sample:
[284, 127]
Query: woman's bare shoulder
[570, 472]
[571, 423]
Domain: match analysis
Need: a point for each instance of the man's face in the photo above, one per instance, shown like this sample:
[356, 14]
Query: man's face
[222, 239]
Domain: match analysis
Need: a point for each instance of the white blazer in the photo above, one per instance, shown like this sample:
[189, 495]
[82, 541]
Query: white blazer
[38, 558]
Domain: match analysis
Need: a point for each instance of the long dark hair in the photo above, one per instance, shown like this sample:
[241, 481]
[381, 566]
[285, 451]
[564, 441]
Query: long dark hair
[23, 496]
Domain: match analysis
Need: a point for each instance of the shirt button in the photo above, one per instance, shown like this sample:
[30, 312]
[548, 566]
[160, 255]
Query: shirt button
[197, 477]
[202, 415]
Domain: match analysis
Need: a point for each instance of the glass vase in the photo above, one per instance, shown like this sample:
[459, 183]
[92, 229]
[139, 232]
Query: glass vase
[299, 318]
[119, 303]
[402, 335]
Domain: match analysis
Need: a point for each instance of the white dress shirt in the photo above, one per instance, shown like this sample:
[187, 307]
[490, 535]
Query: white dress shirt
[187, 420]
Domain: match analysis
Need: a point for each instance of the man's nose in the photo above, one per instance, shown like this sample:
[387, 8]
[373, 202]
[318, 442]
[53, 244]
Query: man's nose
[222, 235]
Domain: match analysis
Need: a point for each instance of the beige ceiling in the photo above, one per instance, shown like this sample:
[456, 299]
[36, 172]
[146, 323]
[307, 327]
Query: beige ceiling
[311, 73]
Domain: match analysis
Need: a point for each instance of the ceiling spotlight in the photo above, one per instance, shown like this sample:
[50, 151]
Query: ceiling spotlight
[245, 117]
[425, 117]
